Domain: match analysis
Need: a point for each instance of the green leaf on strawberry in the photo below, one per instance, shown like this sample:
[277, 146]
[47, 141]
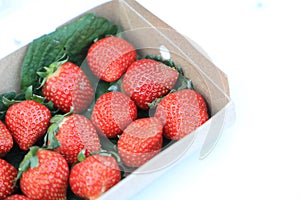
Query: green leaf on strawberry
[3, 103]
[30, 160]
[50, 141]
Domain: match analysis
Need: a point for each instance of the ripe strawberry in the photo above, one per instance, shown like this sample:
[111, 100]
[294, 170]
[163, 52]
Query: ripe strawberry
[8, 174]
[95, 175]
[75, 133]
[28, 121]
[113, 111]
[6, 140]
[66, 85]
[181, 113]
[109, 58]
[17, 197]
[140, 141]
[146, 80]
[44, 175]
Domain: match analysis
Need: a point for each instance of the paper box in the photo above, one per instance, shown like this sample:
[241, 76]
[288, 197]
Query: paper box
[151, 35]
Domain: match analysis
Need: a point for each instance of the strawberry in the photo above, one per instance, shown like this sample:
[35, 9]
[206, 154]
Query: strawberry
[93, 176]
[66, 85]
[109, 58]
[146, 80]
[8, 174]
[17, 197]
[28, 121]
[112, 112]
[181, 113]
[6, 140]
[74, 133]
[140, 141]
[44, 175]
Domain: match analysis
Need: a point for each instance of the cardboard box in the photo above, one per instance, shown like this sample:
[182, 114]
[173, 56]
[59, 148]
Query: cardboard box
[149, 34]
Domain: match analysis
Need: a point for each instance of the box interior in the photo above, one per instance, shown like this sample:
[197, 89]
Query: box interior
[148, 33]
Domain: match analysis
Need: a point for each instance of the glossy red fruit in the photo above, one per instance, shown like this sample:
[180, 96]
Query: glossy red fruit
[113, 112]
[6, 140]
[95, 175]
[76, 132]
[110, 57]
[181, 113]
[140, 141]
[49, 179]
[145, 80]
[8, 174]
[17, 197]
[28, 121]
[67, 86]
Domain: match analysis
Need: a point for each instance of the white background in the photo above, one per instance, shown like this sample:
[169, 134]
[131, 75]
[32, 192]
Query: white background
[256, 43]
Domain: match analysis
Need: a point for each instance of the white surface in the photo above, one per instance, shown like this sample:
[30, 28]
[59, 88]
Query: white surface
[257, 44]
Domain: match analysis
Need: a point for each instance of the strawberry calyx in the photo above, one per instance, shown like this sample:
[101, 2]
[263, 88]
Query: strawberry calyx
[48, 71]
[50, 141]
[30, 160]
[183, 83]
[103, 152]
[28, 95]
[10, 98]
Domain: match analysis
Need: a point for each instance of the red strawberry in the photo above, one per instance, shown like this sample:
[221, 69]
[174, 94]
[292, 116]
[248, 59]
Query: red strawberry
[146, 80]
[66, 85]
[109, 58]
[44, 175]
[8, 174]
[95, 175]
[113, 111]
[140, 141]
[181, 113]
[17, 197]
[6, 140]
[75, 133]
[28, 121]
